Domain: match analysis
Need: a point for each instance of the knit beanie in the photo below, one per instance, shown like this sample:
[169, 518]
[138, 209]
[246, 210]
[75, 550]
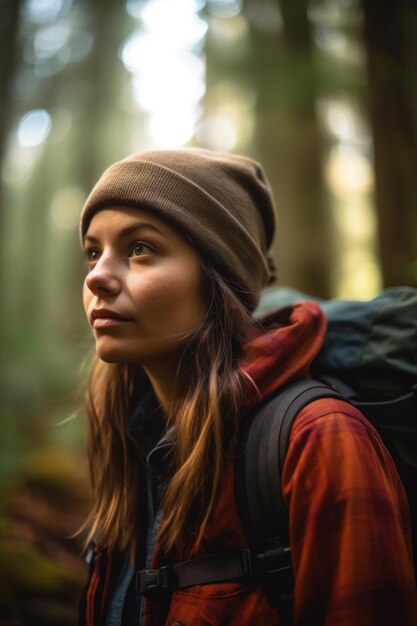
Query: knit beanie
[221, 202]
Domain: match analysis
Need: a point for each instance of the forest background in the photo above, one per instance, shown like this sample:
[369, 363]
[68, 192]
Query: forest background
[322, 93]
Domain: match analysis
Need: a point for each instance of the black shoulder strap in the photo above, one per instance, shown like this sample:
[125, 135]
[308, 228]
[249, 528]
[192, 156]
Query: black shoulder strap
[262, 451]
[262, 448]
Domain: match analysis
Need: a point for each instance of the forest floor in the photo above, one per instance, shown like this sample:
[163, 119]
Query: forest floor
[42, 569]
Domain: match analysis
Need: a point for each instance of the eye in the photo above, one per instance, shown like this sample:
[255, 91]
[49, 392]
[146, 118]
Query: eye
[92, 255]
[140, 248]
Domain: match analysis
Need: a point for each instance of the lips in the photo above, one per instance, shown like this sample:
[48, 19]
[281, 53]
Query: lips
[105, 318]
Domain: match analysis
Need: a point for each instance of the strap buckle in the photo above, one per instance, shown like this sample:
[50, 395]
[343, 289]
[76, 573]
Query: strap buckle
[154, 582]
[275, 560]
[275, 569]
[212, 568]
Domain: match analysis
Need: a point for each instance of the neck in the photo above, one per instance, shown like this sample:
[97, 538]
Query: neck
[163, 378]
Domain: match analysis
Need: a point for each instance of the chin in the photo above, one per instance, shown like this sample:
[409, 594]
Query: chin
[130, 351]
[113, 354]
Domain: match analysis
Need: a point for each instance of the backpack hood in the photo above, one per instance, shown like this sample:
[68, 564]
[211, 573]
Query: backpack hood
[281, 348]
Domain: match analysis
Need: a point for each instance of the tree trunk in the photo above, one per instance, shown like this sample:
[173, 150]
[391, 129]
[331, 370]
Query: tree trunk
[289, 142]
[102, 131]
[9, 22]
[390, 32]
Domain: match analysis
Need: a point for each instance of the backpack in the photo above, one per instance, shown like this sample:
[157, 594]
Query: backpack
[369, 357]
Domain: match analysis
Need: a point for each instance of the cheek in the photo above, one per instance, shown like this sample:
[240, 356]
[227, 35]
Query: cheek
[190, 299]
[177, 297]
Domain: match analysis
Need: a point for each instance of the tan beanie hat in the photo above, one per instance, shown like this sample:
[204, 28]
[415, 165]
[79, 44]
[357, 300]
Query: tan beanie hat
[222, 202]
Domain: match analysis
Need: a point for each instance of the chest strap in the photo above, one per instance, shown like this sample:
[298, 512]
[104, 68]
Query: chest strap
[214, 568]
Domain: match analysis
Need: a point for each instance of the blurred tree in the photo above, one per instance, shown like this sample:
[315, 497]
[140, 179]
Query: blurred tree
[100, 132]
[391, 40]
[290, 145]
[9, 23]
[9, 20]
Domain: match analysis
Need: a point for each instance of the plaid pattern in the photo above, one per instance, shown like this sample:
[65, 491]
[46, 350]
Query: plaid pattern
[349, 520]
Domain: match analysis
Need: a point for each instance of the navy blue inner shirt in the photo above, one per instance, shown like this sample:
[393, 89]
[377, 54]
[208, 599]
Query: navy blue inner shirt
[153, 445]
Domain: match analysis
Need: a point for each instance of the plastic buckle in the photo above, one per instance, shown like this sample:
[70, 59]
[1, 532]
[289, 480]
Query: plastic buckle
[275, 560]
[152, 582]
[246, 562]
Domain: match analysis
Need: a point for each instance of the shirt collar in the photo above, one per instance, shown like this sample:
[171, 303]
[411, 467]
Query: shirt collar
[147, 427]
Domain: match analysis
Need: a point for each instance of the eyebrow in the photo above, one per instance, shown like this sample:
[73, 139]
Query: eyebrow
[129, 230]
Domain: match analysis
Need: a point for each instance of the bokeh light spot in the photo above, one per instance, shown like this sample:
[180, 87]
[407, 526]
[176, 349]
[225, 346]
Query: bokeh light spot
[34, 128]
[172, 128]
[158, 16]
[65, 208]
[43, 11]
[348, 171]
[224, 8]
[218, 133]
[49, 40]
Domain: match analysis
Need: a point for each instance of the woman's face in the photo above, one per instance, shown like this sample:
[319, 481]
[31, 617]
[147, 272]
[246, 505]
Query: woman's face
[143, 292]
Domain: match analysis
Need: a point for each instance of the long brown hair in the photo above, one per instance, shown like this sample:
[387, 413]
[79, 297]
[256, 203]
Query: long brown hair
[210, 392]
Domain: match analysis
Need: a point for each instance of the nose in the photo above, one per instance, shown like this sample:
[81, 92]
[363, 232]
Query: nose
[103, 280]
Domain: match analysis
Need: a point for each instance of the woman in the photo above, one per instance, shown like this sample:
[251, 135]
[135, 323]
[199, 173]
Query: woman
[176, 245]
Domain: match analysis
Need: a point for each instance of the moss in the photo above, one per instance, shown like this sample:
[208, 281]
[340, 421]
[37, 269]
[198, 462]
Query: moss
[25, 571]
